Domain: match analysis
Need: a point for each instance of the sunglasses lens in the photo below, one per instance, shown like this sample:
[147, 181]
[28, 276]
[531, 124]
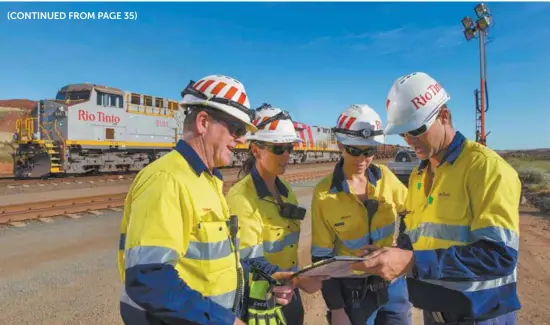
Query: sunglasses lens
[240, 131]
[279, 150]
[355, 152]
[416, 133]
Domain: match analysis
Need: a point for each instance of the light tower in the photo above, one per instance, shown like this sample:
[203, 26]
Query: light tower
[480, 29]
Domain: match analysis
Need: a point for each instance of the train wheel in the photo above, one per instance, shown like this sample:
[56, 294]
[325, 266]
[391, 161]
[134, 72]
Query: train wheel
[403, 157]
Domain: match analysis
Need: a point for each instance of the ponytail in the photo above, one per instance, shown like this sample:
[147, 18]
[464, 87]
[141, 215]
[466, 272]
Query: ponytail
[247, 166]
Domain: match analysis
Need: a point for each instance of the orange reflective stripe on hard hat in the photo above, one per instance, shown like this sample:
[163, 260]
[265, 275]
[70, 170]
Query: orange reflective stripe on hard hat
[230, 93]
[206, 85]
[218, 88]
[242, 98]
[273, 125]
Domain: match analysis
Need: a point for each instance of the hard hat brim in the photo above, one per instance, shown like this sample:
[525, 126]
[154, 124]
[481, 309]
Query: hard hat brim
[272, 137]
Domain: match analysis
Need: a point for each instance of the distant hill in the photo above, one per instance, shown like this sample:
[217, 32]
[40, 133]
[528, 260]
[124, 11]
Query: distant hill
[25, 104]
[10, 111]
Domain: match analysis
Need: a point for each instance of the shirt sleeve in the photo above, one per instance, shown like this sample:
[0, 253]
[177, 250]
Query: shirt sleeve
[250, 233]
[322, 247]
[494, 192]
[157, 236]
[399, 190]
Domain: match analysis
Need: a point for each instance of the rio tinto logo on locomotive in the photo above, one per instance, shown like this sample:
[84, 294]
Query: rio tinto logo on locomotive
[97, 117]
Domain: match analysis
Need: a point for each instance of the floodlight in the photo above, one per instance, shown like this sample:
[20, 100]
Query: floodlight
[483, 22]
[467, 22]
[469, 34]
[481, 10]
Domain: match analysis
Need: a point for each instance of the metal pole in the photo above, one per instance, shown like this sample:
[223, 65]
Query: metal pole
[482, 70]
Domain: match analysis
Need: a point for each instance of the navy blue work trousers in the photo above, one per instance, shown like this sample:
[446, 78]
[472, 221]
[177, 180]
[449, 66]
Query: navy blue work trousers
[431, 318]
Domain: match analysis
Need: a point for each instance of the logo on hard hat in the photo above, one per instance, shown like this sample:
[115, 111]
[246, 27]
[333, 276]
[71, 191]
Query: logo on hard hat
[423, 99]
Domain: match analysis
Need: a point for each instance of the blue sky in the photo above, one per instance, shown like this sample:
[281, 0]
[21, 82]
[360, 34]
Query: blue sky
[312, 59]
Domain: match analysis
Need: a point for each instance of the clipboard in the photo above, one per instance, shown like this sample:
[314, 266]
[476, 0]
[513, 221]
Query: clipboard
[335, 267]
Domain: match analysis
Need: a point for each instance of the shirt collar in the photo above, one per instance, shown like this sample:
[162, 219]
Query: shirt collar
[454, 150]
[339, 184]
[261, 188]
[194, 160]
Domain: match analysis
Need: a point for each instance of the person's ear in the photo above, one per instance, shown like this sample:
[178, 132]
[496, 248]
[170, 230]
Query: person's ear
[255, 150]
[201, 122]
[444, 116]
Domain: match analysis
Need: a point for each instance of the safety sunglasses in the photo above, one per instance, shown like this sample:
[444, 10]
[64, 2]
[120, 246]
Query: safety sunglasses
[421, 130]
[416, 132]
[356, 152]
[277, 149]
[236, 129]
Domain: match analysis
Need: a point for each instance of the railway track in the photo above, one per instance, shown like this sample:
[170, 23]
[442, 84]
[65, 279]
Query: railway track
[15, 214]
[15, 182]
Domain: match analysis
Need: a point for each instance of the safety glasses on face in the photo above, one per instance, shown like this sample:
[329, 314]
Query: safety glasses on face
[421, 130]
[356, 152]
[190, 90]
[235, 128]
[277, 149]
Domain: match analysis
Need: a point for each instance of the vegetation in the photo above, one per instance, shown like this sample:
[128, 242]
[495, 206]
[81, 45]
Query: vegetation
[534, 172]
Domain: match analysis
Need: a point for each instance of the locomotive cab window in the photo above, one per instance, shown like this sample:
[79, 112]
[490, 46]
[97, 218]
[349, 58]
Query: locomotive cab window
[104, 99]
[73, 95]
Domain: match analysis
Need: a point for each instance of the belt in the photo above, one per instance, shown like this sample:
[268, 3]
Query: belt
[446, 318]
[438, 317]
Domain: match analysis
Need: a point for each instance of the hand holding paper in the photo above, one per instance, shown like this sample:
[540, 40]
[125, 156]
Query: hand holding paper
[387, 262]
[283, 293]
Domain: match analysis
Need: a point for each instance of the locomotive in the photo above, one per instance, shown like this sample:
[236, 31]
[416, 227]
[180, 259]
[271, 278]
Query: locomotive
[91, 128]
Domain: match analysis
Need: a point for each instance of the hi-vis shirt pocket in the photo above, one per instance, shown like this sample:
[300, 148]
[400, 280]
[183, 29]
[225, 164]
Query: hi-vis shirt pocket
[344, 228]
[212, 246]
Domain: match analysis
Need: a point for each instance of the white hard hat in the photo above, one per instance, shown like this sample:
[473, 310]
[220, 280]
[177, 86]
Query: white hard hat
[359, 125]
[274, 125]
[413, 100]
[223, 93]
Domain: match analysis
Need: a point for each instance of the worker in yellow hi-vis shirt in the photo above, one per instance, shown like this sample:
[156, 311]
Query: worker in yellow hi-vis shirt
[463, 220]
[178, 252]
[266, 205]
[359, 204]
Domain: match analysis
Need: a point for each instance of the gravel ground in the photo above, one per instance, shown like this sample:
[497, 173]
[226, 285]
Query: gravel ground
[64, 272]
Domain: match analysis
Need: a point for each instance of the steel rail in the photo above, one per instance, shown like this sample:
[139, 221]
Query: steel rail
[58, 207]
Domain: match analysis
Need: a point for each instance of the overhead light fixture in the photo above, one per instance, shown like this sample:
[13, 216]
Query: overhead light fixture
[483, 22]
[467, 22]
[480, 10]
[469, 34]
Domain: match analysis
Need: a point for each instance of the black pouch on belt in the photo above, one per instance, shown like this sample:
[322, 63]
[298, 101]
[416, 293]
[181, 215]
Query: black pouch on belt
[354, 290]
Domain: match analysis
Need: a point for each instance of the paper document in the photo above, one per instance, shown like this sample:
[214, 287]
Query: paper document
[335, 267]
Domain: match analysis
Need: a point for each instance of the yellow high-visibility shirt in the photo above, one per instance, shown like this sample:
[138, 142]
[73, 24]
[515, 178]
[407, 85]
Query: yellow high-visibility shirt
[263, 231]
[465, 233]
[340, 221]
[176, 256]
